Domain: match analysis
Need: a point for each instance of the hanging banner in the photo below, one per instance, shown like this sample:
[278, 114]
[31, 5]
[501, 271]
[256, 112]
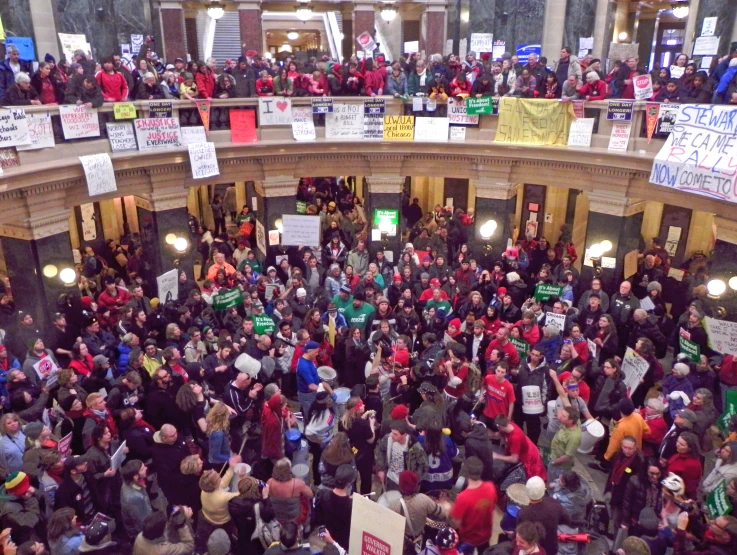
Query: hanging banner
[192, 135]
[160, 109]
[479, 106]
[124, 110]
[79, 122]
[458, 113]
[620, 110]
[620, 137]
[99, 172]
[699, 155]
[643, 87]
[156, 133]
[322, 105]
[121, 136]
[203, 107]
[373, 106]
[345, 122]
[243, 126]
[533, 121]
[481, 42]
[432, 129]
[634, 368]
[274, 111]
[651, 113]
[203, 159]
[722, 335]
[373, 127]
[581, 132]
[399, 128]
[40, 132]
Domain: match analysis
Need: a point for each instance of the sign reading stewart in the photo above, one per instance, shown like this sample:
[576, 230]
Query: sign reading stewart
[700, 154]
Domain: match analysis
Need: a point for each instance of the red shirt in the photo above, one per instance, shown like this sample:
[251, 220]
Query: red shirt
[584, 391]
[499, 396]
[460, 389]
[474, 509]
[509, 350]
[426, 295]
[688, 468]
[529, 455]
[47, 94]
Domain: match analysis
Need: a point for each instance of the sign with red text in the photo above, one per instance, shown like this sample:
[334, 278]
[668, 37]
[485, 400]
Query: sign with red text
[375, 529]
[620, 137]
[203, 159]
[243, 126]
[643, 87]
[39, 131]
[156, 133]
[458, 113]
[78, 121]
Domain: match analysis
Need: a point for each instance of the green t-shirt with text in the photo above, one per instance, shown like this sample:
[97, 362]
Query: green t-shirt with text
[341, 304]
[358, 316]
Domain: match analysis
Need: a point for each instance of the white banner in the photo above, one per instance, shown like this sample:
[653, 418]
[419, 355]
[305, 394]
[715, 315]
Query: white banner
[121, 136]
[375, 530]
[458, 115]
[192, 135]
[70, 43]
[40, 132]
[722, 335]
[481, 42]
[168, 284]
[706, 46]
[203, 159]
[620, 137]
[78, 121]
[99, 172]
[345, 122]
[13, 127]
[301, 230]
[432, 129]
[155, 133]
[634, 368]
[274, 111]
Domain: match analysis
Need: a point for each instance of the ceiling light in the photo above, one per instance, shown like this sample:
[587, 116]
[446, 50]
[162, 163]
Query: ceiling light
[716, 287]
[680, 11]
[292, 35]
[215, 10]
[622, 36]
[304, 13]
[50, 270]
[68, 276]
[733, 283]
[388, 13]
[285, 48]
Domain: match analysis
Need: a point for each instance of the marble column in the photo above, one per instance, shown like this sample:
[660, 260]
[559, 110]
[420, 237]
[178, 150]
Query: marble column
[603, 28]
[616, 219]
[44, 28]
[580, 22]
[364, 20]
[494, 201]
[514, 21]
[432, 29]
[691, 31]
[554, 23]
[384, 192]
[481, 18]
[275, 197]
[252, 36]
[172, 25]
[28, 247]
[726, 12]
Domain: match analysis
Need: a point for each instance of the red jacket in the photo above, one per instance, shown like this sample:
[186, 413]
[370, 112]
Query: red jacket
[272, 432]
[688, 468]
[582, 348]
[205, 83]
[652, 439]
[457, 87]
[114, 303]
[595, 91]
[114, 87]
[373, 84]
[532, 336]
[728, 370]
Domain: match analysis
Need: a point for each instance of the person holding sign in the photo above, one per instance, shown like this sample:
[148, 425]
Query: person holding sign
[107, 481]
[604, 334]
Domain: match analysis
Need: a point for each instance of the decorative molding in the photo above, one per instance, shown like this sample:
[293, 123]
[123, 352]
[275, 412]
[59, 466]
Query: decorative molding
[494, 190]
[280, 188]
[33, 229]
[615, 205]
[385, 185]
[726, 230]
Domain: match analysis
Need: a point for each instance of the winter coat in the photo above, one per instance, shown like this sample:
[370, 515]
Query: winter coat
[635, 499]
[396, 85]
[574, 67]
[607, 406]
[76, 91]
[415, 458]
[68, 544]
[594, 91]
[479, 445]
[136, 506]
[502, 88]
[166, 461]
[163, 545]
[7, 76]
[15, 96]
[539, 377]
[205, 83]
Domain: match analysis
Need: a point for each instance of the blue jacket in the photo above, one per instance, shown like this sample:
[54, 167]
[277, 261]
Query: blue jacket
[7, 77]
[306, 375]
[440, 468]
[11, 452]
[124, 352]
[219, 452]
[67, 544]
[339, 320]
[550, 346]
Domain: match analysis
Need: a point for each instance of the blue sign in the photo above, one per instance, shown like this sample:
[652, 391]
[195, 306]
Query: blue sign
[25, 47]
[524, 51]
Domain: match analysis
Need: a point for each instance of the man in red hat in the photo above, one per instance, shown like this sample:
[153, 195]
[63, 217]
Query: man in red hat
[428, 294]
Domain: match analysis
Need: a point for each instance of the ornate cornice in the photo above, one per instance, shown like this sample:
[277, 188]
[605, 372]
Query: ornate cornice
[385, 185]
[613, 205]
[37, 228]
[726, 230]
[276, 188]
[495, 190]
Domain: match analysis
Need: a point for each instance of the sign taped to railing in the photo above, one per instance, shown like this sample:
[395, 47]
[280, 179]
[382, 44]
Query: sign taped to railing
[78, 121]
[13, 127]
[156, 133]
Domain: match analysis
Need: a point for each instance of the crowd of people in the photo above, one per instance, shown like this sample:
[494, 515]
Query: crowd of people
[113, 79]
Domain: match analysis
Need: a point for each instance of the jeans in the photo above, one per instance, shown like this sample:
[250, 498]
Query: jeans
[305, 402]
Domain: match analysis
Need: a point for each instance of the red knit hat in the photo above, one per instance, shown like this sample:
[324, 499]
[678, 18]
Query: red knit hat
[17, 483]
[408, 482]
[86, 301]
[400, 412]
[502, 290]
[456, 322]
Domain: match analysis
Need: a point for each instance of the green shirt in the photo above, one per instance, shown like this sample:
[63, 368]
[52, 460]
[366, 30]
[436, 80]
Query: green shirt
[445, 305]
[358, 316]
[341, 304]
[565, 442]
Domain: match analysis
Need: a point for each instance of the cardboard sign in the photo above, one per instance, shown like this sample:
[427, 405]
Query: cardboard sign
[25, 47]
[399, 128]
[79, 122]
[274, 111]
[300, 230]
[375, 530]
[168, 286]
[345, 122]
[620, 110]
[203, 159]
[156, 133]
[373, 127]
[227, 299]
[457, 134]
[432, 129]
[243, 126]
[45, 368]
[522, 346]
[160, 109]
[366, 42]
[581, 132]
[634, 368]
[70, 43]
[124, 110]
[373, 106]
[481, 42]
[65, 446]
[99, 172]
[688, 347]
[136, 43]
[543, 291]
[643, 87]
[192, 135]
[458, 113]
[40, 131]
[121, 136]
[479, 106]
[557, 320]
[620, 137]
[322, 105]
[722, 335]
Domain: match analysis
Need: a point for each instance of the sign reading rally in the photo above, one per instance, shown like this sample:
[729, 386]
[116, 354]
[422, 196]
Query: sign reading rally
[700, 154]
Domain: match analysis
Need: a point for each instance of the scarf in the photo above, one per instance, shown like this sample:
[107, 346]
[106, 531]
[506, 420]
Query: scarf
[618, 468]
[56, 474]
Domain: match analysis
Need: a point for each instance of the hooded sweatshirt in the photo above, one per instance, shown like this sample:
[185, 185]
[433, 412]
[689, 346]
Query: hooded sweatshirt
[723, 471]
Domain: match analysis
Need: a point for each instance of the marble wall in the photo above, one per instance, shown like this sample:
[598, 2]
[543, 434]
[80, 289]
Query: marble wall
[16, 17]
[726, 11]
[514, 21]
[580, 21]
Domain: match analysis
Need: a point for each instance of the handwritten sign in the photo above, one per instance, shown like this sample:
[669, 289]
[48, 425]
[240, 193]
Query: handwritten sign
[13, 128]
[399, 128]
[432, 129]
[374, 106]
[136, 43]
[709, 26]
[581, 131]
[706, 46]
[192, 135]
[676, 72]
[274, 111]
[557, 320]
[457, 134]
[634, 368]
[160, 109]
[481, 42]
[203, 159]
[168, 285]
[373, 127]
[124, 110]
[417, 104]
[700, 154]
[303, 124]
[344, 122]
[79, 122]
[458, 113]
[322, 105]
[156, 133]
[620, 137]
[121, 136]
[261, 237]
[243, 126]
[534, 122]
[65, 446]
[722, 335]
[70, 43]
[643, 87]
[301, 230]
[40, 132]
[620, 110]
[99, 172]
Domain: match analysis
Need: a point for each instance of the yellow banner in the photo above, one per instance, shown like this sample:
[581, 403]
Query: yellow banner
[533, 122]
[399, 128]
[124, 110]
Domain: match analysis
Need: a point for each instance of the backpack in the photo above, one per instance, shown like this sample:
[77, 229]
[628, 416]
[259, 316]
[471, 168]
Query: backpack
[473, 378]
[266, 532]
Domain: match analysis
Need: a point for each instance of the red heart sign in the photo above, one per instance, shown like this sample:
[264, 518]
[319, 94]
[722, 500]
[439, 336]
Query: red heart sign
[282, 105]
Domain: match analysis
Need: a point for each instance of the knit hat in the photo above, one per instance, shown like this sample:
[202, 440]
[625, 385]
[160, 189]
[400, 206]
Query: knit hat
[502, 291]
[301, 292]
[427, 258]
[396, 277]
[49, 58]
[440, 314]
[635, 546]
[67, 402]
[382, 300]
[654, 286]
[427, 387]
[400, 412]
[447, 538]
[33, 429]
[17, 483]
[455, 322]
[535, 487]
[345, 289]
[513, 277]
[409, 246]
[270, 269]
[424, 275]
[154, 302]
[563, 376]
[649, 520]
[32, 341]
[218, 543]
[408, 482]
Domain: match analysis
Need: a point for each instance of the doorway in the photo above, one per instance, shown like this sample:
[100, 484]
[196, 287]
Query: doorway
[668, 43]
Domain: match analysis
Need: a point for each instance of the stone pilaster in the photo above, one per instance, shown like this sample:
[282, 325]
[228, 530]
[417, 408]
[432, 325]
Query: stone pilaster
[495, 200]
[385, 193]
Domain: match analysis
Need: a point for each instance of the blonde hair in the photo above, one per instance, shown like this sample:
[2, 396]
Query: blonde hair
[92, 398]
[218, 419]
[65, 376]
[209, 481]
[5, 418]
[190, 464]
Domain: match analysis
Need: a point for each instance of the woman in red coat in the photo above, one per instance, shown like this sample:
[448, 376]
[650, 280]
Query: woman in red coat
[205, 81]
[530, 329]
[594, 89]
[272, 429]
[653, 415]
[687, 462]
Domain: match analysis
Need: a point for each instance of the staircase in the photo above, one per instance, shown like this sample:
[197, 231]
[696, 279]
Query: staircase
[227, 41]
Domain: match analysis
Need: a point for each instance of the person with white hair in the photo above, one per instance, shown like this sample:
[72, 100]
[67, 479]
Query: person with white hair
[652, 412]
[594, 89]
[677, 389]
[21, 93]
[10, 67]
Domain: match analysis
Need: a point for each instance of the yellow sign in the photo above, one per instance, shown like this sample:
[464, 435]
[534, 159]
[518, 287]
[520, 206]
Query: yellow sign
[533, 122]
[124, 110]
[2, 30]
[399, 128]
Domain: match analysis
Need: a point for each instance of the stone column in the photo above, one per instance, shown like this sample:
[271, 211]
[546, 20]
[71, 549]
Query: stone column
[30, 245]
[691, 31]
[364, 20]
[726, 12]
[275, 197]
[553, 30]
[384, 192]
[44, 28]
[432, 28]
[252, 36]
[619, 220]
[580, 22]
[495, 200]
[724, 266]
[603, 28]
[172, 28]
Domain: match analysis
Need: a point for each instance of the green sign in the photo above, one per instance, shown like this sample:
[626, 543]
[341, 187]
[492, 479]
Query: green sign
[523, 347]
[263, 324]
[543, 291]
[730, 409]
[301, 207]
[717, 502]
[227, 299]
[689, 348]
[479, 106]
[386, 214]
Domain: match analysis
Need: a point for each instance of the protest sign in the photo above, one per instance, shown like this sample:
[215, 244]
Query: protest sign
[374, 106]
[116, 461]
[227, 299]
[722, 335]
[40, 132]
[586, 43]
[300, 230]
[479, 106]
[708, 26]
[417, 104]
[431, 105]
[634, 368]
[203, 159]
[458, 134]
[630, 263]
[458, 113]
[70, 43]
[717, 502]
[65, 446]
[45, 368]
[666, 119]
[620, 137]
[706, 46]
[243, 126]
[544, 291]
[121, 136]
[366, 42]
[25, 47]
[160, 109]
[124, 110]
[399, 128]
[303, 125]
[581, 131]
[203, 108]
[168, 286]
[344, 122]
[274, 237]
[155, 133]
[676, 72]
[651, 114]
[522, 346]
[621, 51]
[373, 127]
[263, 323]
[730, 409]
[274, 111]
[79, 122]
[99, 172]
[620, 110]
[412, 47]
[578, 108]
[557, 320]
[593, 348]
[261, 237]
[534, 122]
[643, 87]
[688, 347]
[375, 529]
[136, 43]
[192, 135]
[481, 42]
[322, 105]
[13, 128]
[8, 158]
[431, 129]
[498, 50]
[524, 51]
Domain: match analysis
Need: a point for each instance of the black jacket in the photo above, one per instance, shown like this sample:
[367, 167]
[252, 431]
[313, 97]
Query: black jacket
[140, 442]
[478, 445]
[635, 499]
[607, 406]
[77, 91]
[15, 96]
[650, 329]
[618, 490]
[166, 461]
[69, 494]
